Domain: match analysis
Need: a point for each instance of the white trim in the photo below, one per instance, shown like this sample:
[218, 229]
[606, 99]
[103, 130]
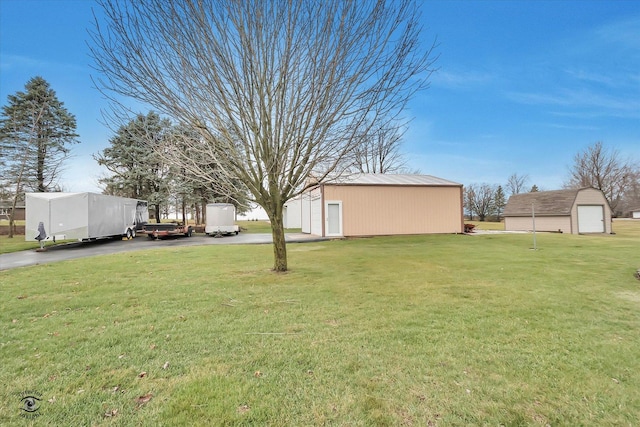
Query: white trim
[326, 217]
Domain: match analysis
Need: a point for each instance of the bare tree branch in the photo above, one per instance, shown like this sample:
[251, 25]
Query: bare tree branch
[517, 183]
[605, 170]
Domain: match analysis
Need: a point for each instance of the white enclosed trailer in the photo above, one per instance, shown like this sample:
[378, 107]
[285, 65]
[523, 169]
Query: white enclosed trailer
[221, 218]
[82, 216]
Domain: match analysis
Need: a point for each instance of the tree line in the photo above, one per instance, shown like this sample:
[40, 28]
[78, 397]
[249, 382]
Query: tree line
[487, 201]
[138, 169]
[596, 166]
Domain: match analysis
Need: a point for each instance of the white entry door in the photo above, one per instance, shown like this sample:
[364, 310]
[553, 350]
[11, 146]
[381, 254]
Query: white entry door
[591, 219]
[333, 218]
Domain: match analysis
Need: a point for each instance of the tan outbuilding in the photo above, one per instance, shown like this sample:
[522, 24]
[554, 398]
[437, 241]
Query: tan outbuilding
[382, 204]
[576, 211]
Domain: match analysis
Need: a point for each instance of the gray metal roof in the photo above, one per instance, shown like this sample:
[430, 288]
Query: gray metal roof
[392, 179]
[555, 203]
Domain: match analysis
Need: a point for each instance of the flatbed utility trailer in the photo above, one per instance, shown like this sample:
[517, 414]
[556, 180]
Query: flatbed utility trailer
[158, 231]
[82, 216]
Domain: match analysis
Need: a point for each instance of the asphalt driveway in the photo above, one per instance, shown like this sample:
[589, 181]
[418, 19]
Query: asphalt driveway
[106, 246]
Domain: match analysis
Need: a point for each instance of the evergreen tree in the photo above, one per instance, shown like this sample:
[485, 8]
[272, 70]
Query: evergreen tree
[35, 131]
[499, 201]
[534, 189]
[194, 191]
[137, 169]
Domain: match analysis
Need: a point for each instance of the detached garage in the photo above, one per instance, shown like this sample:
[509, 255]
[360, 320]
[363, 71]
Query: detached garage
[380, 204]
[576, 211]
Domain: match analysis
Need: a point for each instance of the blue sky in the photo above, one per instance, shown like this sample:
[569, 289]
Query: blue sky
[522, 86]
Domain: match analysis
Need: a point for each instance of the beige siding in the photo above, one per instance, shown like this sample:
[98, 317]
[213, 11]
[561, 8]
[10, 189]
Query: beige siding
[386, 210]
[544, 223]
[586, 197]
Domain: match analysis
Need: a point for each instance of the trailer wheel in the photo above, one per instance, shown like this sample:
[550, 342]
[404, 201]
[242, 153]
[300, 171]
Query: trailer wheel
[129, 234]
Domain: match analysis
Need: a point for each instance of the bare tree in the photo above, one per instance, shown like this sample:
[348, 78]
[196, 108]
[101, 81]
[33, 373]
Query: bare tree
[516, 183]
[632, 194]
[380, 152]
[279, 90]
[605, 170]
[480, 200]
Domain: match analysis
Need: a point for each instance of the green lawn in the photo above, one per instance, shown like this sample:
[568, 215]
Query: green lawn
[15, 244]
[254, 226]
[420, 330]
[261, 227]
[487, 225]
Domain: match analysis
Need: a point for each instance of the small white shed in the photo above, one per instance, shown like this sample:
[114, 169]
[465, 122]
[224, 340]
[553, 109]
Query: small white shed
[575, 211]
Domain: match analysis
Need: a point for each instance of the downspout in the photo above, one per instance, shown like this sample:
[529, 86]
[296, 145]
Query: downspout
[322, 218]
[462, 209]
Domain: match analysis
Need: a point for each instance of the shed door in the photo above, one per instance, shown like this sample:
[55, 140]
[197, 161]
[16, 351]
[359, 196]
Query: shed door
[591, 219]
[334, 218]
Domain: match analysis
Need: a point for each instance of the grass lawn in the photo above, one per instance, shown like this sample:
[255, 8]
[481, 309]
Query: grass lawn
[254, 226]
[16, 243]
[261, 227]
[487, 225]
[419, 330]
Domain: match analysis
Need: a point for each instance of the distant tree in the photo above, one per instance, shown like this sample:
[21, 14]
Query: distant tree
[499, 201]
[480, 200]
[279, 90]
[631, 198]
[534, 189]
[604, 169]
[516, 183]
[137, 170]
[469, 197]
[380, 152]
[35, 132]
[189, 187]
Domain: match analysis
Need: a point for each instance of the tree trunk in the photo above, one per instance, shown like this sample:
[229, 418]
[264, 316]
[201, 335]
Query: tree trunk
[42, 153]
[11, 225]
[158, 213]
[12, 214]
[279, 243]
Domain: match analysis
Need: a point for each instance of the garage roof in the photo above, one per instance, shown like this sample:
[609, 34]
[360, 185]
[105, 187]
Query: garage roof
[556, 203]
[393, 179]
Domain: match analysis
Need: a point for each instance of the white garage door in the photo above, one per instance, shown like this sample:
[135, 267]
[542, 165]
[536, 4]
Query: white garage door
[591, 219]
